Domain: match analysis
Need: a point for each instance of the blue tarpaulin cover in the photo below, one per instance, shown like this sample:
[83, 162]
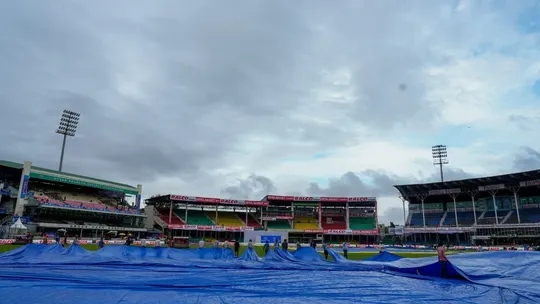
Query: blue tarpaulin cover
[122, 274]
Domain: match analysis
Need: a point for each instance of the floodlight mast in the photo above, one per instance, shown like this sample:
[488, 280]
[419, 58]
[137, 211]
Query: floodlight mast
[67, 127]
[440, 157]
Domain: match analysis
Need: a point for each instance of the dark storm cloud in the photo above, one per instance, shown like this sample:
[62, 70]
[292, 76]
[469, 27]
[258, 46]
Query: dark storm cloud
[527, 159]
[376, 183]
[365, 183]
[170, 90]
[210, 77]
[254, 187]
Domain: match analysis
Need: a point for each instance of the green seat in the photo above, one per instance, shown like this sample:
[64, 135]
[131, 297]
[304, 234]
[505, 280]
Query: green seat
[194, 218]
[279, 224]
[362, 223]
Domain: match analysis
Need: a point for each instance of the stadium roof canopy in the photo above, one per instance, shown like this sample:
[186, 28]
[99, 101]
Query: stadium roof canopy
[73, 179]
[481, 185]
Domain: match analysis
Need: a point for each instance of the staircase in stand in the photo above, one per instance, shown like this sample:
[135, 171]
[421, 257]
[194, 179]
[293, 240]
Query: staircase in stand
[443, 218]
[481, 217]
[507, 217]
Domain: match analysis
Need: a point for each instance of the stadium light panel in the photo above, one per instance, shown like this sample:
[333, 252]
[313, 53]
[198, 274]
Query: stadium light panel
[440, 157]
[67, 127]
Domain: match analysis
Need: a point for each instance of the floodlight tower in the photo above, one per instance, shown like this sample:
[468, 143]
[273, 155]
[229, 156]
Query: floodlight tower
[67, 127]
[440, 157]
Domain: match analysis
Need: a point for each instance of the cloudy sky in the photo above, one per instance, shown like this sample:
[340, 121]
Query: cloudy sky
[242, 98]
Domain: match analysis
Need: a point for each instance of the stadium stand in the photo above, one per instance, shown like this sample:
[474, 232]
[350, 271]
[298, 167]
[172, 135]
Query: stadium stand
[279, 224]
[228, 219]
[333, 222]
[362, 223]
[464, 218]
[530, 215]
[43, 199]
[252, 221]
[175, 219]
[305, 222]
[515, 197]
[195, 217]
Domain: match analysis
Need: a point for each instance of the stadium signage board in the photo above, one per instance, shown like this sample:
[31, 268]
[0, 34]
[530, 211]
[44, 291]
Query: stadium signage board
[360, 214]
[319, 199]
[342, 231]
[209, 228]
[530, 183]
[491, 187]
[72, 226]
[24, 189]
[217, 201]
[80, 182]
[304, 204]
[445, 191]
[332, 213]
[440, 229]
[279, 217]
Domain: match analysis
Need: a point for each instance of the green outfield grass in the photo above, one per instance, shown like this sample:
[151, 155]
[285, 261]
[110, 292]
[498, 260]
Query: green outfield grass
[260, 251]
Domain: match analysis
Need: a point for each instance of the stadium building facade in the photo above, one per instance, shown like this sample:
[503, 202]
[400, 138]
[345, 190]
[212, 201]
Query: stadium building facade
[48, 201]
[299, 219]
[495, 210]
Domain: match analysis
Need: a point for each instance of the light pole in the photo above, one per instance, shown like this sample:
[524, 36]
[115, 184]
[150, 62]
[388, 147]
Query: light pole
[67, 127]
[440, 157]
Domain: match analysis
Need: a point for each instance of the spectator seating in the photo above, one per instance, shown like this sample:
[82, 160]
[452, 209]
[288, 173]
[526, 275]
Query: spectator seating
[432, 219]
[488, 219]
[529, 215]
[195, 217]
[45, 200]
[305, 222]
[175, 219]
[334, 222]
[279, 224]
[227, 219]
[362, 223]
[251, 220]
[465, 218]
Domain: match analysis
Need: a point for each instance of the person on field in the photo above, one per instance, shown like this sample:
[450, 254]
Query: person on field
[250, 244]
[276, 243]
[285, 245]
[266, 247]
[236, 248]
[201, 244]
[345, 250]
[101, 243]
[216, 244]
[157, 243]
[45, 239]
[76, 240]
[443, 261]
[325, 250]
[143, 243]
[226, 244]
